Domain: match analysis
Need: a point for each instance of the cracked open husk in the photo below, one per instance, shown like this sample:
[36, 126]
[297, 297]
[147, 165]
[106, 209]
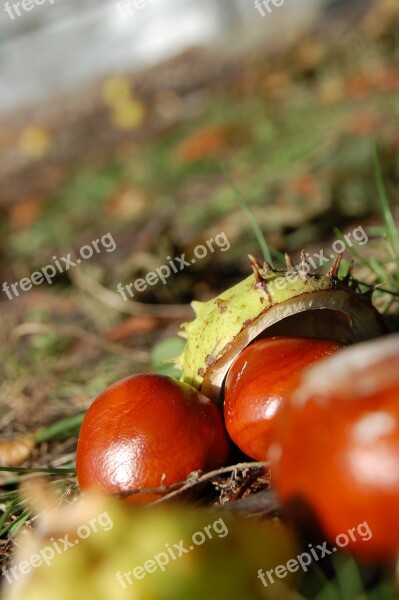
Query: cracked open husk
[272, 302]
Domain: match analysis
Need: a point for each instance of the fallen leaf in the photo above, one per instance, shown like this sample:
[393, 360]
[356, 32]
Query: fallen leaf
[276, 84]
[132, 326]
[127, 114]
[364, 124]
[116, 89]
[358, 87]
[331, 90]
[306, 186]
[127, 203]
[204, 143]
[24, 213]
[35, 141]
[15, 452]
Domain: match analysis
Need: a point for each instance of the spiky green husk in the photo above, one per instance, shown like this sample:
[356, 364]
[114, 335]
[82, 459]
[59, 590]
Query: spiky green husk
[222, 321]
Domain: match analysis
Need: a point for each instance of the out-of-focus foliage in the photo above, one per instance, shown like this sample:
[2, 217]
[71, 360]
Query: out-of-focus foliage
[223, 567]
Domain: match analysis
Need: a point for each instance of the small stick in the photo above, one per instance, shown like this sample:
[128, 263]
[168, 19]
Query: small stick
[75, 331]
[195, 478]
[137, 309]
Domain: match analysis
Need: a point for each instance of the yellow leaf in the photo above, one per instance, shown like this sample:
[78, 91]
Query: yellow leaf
[35, 141]
[115, 90]
[127, 115]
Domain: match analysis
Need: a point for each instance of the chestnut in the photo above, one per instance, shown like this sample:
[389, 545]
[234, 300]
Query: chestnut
[146, 431]
[336, 446]
[259, 383]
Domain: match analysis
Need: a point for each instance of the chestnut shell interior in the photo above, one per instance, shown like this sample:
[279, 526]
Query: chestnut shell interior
[339, 315]
[323, 323]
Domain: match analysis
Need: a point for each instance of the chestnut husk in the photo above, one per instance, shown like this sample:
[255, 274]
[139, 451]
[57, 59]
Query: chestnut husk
[268, 303]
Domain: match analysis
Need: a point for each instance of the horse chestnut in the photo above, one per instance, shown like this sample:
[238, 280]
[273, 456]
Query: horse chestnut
[146, 431]
[260, 381]
[336, 447]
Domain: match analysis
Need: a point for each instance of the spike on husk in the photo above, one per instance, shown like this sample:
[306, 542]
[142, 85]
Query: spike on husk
[273, 302]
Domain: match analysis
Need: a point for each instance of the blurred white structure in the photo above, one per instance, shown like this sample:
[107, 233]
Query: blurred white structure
[54, 47]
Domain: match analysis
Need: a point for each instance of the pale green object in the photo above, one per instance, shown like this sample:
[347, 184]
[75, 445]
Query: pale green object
[157, 553]
[271, 302]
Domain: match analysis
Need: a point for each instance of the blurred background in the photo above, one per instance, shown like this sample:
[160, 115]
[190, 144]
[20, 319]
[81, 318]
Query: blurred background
[139, 118]
[60, 44]
[140, 122]
[53, 56]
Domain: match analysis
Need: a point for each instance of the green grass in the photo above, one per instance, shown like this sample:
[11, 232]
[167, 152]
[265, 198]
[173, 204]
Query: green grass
[387, 282]
[245, 207]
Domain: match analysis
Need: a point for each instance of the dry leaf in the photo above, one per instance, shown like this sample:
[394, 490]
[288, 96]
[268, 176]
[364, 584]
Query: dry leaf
[127, 203]
[23, 214]
[115, 90]
[15, 452]
[128, 114]
[331, 89]
[364, 124]
[35, 141]
[132, 326]
[306, 186]
[277, 83]
[203, 143]
[358, 87]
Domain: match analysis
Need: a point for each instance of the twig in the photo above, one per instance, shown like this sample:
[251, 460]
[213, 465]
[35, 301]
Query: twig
[137, 309]
[376, 286]
[37, 470]
[75, 331]
[194, 479]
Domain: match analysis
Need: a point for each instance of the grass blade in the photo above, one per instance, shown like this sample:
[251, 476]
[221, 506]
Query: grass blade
[390, 227]
[37, 470]
[68, 426]
[242, 202]
[372, 264]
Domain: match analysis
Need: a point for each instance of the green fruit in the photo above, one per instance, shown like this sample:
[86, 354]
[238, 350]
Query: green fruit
[220, 560]
[267, 303]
